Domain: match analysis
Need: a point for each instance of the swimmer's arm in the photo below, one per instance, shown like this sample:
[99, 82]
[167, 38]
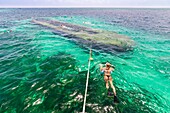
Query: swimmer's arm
[101, 67]
[111, 70]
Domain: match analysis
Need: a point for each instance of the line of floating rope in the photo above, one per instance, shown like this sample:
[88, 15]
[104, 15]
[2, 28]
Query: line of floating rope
[87, 80]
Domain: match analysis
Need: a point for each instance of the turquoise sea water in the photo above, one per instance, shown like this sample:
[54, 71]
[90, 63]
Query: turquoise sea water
[44, 72]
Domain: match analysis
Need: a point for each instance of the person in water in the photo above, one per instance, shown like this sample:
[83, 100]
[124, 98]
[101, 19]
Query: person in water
[107, 71]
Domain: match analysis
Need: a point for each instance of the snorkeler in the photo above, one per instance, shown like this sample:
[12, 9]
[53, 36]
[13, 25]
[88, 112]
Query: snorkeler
[107, 71]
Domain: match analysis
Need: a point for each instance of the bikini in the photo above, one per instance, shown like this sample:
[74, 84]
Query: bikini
[102, 72]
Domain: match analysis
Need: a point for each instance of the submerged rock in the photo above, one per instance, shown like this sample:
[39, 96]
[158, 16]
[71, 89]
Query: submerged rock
[100, 39]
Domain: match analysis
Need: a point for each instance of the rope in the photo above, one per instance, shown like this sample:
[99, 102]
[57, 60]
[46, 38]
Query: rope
[87, 80]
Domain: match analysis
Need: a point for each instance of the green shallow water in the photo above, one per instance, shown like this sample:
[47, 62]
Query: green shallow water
[43, 72]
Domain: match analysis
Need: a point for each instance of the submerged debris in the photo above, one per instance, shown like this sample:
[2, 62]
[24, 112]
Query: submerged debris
[88, 36]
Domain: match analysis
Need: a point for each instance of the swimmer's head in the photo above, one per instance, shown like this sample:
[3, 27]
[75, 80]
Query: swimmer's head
[108, 64]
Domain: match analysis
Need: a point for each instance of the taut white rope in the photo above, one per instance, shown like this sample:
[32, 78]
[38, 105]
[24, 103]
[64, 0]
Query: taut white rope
[87, 80]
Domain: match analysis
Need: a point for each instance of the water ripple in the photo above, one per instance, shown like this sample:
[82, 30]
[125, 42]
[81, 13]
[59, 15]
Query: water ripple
[44, 72]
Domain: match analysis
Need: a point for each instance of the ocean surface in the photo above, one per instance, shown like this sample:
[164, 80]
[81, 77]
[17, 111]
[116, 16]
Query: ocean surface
[41, 72]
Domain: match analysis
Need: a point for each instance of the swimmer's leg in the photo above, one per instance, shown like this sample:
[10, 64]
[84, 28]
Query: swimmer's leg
[107, 85]
[112, 86]
[107, 82]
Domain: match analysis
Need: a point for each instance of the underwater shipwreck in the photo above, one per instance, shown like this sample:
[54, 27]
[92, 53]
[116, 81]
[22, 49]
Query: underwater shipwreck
[107, 41]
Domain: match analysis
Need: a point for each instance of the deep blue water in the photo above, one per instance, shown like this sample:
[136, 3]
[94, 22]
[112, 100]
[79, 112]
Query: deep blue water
[44, 72]
[151, 20]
